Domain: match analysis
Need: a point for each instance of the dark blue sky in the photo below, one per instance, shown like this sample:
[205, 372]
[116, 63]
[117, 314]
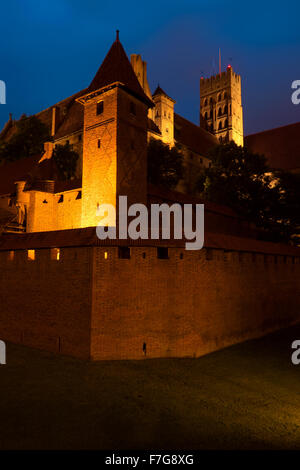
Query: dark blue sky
[50, 50]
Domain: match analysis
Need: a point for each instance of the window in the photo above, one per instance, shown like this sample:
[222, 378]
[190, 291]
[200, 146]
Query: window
[226, 123]
[132, 108]
[220, 125]
[55, 254]
[162, 252]
[11, 255]
[31, 255]
[100, 107]
[105, 255]
[205, 102]
[61, 198]
[219, 97]
[225, 109]
[99, 143]
[205, 115]
[80, 138]
[220, 112]
[124, 252]
[225, 95]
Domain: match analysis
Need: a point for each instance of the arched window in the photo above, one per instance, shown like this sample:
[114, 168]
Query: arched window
[226, 123]
[225, 95]
[219, 97]
[205, 102]
[205, 115]
[220, 112]
[210, 100]
[225, 109]
[211, 114]
[220, 125]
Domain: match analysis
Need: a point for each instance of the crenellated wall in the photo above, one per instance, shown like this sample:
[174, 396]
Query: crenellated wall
[92, 302]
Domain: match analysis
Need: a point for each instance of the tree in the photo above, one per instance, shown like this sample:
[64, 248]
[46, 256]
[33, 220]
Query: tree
[66, 160]
[165, 164]
[27, 140]
[242, 180]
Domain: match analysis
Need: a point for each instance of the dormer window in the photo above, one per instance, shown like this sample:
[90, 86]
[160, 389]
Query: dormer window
[100, 107]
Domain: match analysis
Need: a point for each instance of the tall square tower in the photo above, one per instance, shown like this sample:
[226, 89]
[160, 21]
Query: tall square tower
[221, 111]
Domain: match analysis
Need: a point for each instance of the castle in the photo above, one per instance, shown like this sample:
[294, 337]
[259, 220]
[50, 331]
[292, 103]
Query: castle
[108, 125]
[64, 290]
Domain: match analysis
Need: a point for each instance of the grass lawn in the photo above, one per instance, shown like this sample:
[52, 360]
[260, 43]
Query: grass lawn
[246, 396]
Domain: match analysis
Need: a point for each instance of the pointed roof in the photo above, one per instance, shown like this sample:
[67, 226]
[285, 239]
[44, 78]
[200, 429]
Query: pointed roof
[117, 68]
[160, 91]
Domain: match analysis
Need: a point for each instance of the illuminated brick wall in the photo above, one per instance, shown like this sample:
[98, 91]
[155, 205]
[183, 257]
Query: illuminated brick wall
[45, 302]
[49, 211]
[190, 306]
[91, 303]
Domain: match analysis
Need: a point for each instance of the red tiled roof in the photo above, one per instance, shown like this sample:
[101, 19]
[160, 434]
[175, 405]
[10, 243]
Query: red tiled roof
[195, 137]
[117, 68]
[69, 185]
[281, 146]
[88, 237]
[14, 171]
[175, 196]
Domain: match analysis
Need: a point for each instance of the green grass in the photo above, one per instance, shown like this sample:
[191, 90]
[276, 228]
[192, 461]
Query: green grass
[246, 396]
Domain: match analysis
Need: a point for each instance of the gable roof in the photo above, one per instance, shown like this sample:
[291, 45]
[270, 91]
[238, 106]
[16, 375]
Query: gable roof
[281, 146]
[194, 137]
[117, 68]
[14, 171]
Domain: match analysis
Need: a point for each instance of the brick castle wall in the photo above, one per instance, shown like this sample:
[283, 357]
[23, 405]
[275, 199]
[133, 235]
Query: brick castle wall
[46, 303]
[190, 304]
[92, 304]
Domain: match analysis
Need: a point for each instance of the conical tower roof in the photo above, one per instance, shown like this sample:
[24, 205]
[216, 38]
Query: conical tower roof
[117, 68]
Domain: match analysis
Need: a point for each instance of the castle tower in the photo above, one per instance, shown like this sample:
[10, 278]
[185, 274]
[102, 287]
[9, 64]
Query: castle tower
[163, 115]
[140, 69]
[221, 110]
[114, 138]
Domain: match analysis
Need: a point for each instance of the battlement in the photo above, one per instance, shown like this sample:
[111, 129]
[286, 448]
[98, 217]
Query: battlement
[97, 302]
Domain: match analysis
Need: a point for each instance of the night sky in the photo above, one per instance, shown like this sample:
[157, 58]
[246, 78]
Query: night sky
[50, 50]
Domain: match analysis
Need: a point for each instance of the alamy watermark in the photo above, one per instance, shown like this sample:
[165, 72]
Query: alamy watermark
[2, 92]
[2, 352]
[163, 221]
[296, 94]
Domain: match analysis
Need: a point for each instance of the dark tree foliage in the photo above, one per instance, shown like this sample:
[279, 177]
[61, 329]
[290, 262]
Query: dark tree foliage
[165, 164]
[66, 160]
[289, 205]
[241, 179]
[27, 140]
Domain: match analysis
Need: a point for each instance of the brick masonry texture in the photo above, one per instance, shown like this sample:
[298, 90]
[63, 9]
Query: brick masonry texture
[93, 304]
